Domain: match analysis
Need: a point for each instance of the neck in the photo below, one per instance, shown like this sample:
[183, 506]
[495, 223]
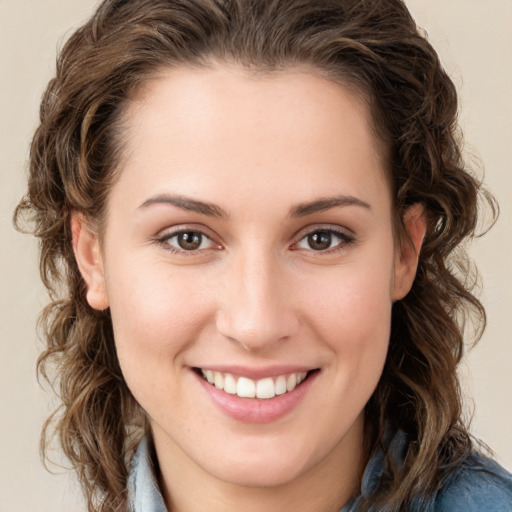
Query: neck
[325, 487]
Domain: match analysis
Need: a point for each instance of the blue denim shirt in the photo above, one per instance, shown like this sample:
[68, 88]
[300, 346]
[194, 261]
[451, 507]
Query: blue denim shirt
[143, 492]
[479, 485]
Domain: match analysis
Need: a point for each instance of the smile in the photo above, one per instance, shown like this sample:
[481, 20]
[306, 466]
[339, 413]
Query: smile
[245, 387]
[251, 395]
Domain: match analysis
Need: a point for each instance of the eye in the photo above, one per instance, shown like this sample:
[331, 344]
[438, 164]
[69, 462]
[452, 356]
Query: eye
[324, 240]
[187, 240]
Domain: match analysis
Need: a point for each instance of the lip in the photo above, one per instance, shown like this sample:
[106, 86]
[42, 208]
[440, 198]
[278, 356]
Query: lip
[254, 410]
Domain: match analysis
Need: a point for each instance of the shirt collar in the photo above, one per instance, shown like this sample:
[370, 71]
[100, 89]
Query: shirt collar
[143, 491]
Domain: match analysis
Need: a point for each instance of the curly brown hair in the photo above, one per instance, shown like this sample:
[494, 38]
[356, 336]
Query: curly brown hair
[373, 46]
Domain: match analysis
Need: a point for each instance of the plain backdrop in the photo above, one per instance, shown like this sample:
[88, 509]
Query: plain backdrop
[474, 40]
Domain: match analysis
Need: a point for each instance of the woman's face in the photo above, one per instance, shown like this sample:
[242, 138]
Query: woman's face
[249, 241]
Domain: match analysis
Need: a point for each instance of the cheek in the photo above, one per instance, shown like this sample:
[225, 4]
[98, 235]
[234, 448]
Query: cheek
[150, 298]
[351, 314]
[156, 315]
[357, 299]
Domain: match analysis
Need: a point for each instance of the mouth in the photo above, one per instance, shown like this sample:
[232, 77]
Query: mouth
[245, 387]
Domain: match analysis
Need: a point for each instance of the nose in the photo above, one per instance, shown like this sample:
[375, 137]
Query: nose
[256, 309]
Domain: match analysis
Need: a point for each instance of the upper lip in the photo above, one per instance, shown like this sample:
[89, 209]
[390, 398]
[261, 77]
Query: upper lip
[256, 373]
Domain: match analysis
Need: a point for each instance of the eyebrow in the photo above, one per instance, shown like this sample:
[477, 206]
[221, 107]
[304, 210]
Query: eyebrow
[326, 203]
[213, 210]
[186, 203]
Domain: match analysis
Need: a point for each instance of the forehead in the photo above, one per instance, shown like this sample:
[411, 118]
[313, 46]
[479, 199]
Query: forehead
[228, 93]
[224, 123]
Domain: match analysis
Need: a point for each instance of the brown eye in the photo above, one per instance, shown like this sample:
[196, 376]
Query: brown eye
[320, 240]
[325, 240]
[188, 241]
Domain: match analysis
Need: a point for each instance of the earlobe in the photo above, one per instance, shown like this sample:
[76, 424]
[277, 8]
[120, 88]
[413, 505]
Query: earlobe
[87, 251]
[406, 262]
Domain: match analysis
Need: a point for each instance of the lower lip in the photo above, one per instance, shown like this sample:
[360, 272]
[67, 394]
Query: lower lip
[257, 410]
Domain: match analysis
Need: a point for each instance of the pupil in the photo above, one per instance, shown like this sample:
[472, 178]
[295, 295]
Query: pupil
[189, 240]
[320, 241]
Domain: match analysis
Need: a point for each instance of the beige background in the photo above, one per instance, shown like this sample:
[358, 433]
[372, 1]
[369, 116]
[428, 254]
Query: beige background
[475, 41]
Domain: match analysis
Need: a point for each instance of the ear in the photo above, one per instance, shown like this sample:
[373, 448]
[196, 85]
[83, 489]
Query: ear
[86, 247]
[406, 262]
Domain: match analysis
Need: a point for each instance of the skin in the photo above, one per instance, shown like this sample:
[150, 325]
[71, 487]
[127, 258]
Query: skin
[255, 293]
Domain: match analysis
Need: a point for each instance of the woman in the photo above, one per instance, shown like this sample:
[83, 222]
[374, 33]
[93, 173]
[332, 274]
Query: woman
[251, 216]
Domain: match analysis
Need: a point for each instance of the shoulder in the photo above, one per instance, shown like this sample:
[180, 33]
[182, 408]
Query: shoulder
[479, 484]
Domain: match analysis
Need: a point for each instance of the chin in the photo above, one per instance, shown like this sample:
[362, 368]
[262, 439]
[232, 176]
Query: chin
[265, 463]
[264, 473]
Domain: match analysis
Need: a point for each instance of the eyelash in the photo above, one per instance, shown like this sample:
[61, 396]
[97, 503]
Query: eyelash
[345, 240]
[164, 240]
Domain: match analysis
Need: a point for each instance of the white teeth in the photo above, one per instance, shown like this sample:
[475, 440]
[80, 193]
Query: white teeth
[291, 382]
[248, 388]
[265, 388]
[281, 385]
[230, 384]
[219, 380]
